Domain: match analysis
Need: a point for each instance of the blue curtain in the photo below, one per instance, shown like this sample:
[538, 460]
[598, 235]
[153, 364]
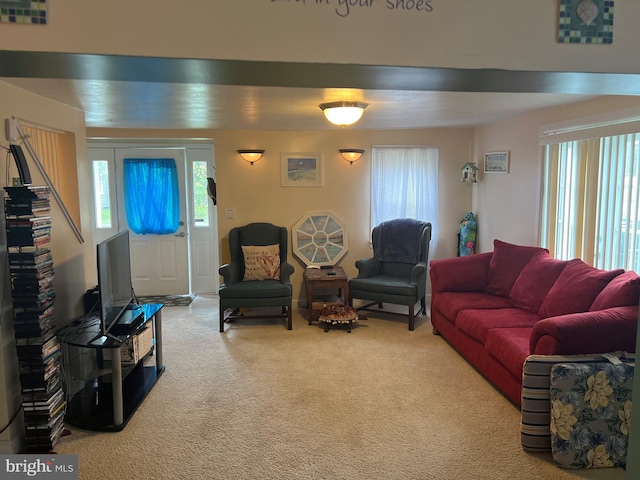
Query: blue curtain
[151, 196]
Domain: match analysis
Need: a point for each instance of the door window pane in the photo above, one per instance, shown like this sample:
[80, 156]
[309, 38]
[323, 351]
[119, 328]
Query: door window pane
[200, 196]
[151, 197]
[102, 199]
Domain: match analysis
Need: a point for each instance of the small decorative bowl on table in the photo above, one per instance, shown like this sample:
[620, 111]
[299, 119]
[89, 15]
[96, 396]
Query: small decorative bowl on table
[336, 315]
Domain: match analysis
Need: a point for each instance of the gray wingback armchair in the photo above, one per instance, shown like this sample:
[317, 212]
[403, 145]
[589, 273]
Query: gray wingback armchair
[237, 292]
[397, 272]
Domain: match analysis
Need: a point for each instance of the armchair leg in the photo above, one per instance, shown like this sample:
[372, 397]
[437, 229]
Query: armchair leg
[423, 303]
[412, 318]
[222, 310]
[289, 318]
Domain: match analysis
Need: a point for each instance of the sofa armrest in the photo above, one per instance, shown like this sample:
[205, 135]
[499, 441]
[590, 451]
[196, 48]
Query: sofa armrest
[586, 332]
[460, 274]
[367, 267]
[230, 273]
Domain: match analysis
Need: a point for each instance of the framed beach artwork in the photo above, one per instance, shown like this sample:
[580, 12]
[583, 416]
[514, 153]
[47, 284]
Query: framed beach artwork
[302, 170]
[496, 162]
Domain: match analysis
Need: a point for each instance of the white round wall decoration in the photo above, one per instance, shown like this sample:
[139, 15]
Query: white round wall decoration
[319, 238]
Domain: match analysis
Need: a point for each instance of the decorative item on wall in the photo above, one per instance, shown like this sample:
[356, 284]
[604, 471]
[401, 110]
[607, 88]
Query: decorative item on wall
[319, 238]
[343, 113]
[351, 154]
[251, 156]
[469, 173]
[586, 21]
[496, 162]
[301, 170]
[29, 12]
[212, 190]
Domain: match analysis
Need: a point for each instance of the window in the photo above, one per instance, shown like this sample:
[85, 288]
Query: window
[200, 196]
[404, 184]
[151, 196]
[102, 197]
[591, 207]
[56, 152]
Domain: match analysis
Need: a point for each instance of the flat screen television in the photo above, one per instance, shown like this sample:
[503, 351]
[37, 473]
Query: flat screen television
[114, 279]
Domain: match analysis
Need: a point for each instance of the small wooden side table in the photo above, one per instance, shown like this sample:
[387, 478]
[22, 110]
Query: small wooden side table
[315, 278]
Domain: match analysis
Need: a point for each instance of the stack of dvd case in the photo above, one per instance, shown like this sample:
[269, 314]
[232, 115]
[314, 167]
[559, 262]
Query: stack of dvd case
[28, 226]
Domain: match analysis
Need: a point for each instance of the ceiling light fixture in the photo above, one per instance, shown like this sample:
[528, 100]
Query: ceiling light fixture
[251, 156]
[351, 154]
[343, 113]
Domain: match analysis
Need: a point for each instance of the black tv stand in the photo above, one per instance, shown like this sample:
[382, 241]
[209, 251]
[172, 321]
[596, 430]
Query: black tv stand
[103, 392]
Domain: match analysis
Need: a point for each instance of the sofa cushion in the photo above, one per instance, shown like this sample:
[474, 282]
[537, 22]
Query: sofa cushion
[510, 346]
[460, 274]
[477, 323]
[535, 432]
[575, 289]
[535, 281]
[623, 290]
[450, 303]
[507, 262]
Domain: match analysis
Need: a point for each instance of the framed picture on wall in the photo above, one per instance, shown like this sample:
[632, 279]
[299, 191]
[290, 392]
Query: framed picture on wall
[302, 170]
[496, 162]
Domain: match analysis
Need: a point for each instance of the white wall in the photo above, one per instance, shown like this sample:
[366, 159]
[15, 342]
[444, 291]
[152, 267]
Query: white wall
[71, 259]
[508, 206]
[516, 34]
[256, 194]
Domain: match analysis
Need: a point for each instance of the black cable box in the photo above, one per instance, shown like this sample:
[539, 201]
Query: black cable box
[128, 322]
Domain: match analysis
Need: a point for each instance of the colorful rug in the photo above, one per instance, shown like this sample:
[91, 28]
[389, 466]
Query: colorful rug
[168, 300]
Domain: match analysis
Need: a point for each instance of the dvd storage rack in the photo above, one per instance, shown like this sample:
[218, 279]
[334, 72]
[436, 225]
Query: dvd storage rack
[28, 226]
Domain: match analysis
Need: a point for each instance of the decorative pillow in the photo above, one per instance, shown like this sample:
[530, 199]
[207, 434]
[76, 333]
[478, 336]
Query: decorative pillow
[535, 281]
[507, 262]
[261, 262]
[623, 290]
[576, 288]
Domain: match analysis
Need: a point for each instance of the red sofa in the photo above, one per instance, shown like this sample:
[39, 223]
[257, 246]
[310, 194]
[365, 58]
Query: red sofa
[497, 308]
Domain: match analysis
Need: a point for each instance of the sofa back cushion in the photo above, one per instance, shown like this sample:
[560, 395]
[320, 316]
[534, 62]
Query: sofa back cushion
[622, 291]
[506, 264]
[535, 281]
[575, 289]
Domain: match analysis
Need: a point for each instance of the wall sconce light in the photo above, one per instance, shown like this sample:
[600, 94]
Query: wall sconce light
[469, 173]
[343, 113]
[251, 156]
[351, 154]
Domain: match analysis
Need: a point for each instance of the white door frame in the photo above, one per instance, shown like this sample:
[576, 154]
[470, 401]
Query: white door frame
[203, 241]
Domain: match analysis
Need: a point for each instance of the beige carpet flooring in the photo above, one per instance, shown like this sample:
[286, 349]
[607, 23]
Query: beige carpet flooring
[261, 402]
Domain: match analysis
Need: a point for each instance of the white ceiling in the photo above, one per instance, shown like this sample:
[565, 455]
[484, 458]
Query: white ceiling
[169, 93]
[125, 104]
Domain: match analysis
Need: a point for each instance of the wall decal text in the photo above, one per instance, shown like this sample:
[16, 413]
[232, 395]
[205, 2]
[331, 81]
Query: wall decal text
[343, 8]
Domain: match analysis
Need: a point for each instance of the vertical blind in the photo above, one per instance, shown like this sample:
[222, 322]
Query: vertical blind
[590, 204]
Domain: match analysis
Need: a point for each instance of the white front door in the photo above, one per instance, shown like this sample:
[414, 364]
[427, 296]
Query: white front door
[159, 262]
